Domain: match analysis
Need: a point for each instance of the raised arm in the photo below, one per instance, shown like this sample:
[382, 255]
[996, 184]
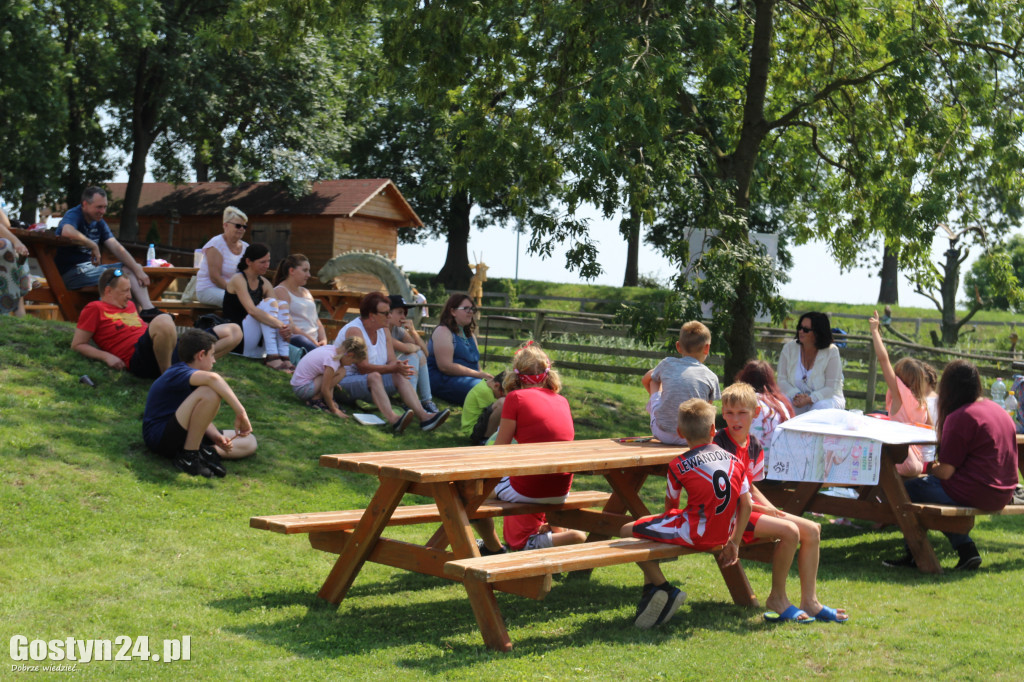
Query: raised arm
[884, 364]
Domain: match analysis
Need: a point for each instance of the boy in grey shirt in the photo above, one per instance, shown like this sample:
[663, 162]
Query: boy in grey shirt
[676, 380]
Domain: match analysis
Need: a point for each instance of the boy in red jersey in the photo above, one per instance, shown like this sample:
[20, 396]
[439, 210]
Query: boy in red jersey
[739, 407]
[717, 508]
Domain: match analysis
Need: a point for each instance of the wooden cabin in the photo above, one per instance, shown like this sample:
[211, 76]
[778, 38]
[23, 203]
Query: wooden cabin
[335, 217]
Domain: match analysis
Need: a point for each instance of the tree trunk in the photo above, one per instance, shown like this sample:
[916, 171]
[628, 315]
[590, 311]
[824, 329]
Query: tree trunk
[73, 182]
[145, 117]
[889, 291]
[740, 338]
[630, 229]
[29, 202]
[202, 169]
[456, 272]
[950, 284]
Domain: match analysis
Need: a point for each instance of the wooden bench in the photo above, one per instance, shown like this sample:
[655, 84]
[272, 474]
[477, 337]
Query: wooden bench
[317, 522]
[479, 574]
[954, 519]
[185, 314]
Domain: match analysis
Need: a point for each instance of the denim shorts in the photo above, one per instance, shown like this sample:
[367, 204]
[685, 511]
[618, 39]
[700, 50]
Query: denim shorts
[85, 274]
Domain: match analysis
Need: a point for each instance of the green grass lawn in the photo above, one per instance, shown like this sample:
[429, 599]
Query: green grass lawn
[100, 539]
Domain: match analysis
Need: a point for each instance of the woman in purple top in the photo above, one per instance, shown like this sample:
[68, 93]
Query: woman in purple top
[976, 463]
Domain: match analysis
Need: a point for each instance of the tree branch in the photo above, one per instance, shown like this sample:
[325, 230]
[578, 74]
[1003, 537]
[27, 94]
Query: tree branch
[790, 117]
[814, 143]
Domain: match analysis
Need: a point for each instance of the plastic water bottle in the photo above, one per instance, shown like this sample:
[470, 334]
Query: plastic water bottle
[1010, 404]
[999, 391]
[150, 256]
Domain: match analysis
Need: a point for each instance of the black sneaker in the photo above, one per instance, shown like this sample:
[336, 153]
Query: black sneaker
[429, 407]
[489, 552]
[211, 459]
[970, 560]
[676, 597]
[400, 424]
[435, 421]
[192, 464]
[906, 561]
[651, 606]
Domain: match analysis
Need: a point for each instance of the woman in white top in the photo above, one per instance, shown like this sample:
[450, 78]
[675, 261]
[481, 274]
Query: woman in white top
[220, 258]
[810, 371]
[296, 304]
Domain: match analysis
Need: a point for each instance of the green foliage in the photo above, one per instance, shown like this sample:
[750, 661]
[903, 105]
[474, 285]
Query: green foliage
[996, 275]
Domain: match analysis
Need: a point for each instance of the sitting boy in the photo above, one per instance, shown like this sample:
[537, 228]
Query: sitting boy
[123, 341]
[178, 421]
[481, 413]
[717, 508]
[739, 407]
[676, 380]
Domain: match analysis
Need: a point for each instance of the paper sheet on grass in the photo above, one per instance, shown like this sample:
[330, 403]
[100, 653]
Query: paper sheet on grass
[368, 419]
[835, 446]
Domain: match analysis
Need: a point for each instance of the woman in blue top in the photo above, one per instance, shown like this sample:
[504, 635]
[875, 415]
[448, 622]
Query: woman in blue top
[453, 356]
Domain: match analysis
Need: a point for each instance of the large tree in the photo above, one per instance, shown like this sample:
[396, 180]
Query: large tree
[828, 120]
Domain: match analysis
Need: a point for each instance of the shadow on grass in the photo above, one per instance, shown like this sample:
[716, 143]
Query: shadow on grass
[575, 613]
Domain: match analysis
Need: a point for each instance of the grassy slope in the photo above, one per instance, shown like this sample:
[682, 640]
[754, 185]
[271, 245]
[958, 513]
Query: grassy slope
[99, 539]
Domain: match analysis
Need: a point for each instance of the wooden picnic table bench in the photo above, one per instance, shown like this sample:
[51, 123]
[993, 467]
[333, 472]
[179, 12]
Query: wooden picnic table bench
[43, 244]
[887, 503]
[460, 481]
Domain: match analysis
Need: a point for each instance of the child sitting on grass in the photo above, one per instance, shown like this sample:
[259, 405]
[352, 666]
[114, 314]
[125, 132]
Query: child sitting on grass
[178, 419]
[717, 508]
[320, 370]
[676, 380]
[739, 407]
[533, 412]
[481, 413]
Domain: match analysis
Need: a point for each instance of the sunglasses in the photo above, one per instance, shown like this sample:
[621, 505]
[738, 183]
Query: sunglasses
[383, 312]
[469, 308]
[240, 226]
[805, 329]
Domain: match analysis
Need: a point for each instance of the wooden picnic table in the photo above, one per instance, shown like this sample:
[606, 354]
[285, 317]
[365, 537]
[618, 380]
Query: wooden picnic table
[885, 503]
[459, 481]
[337, 303]
[43, 244]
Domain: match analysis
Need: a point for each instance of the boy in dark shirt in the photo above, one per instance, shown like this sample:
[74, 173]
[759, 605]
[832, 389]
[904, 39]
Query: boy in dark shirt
[178, 421]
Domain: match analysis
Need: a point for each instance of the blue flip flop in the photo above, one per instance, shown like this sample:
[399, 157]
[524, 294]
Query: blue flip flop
[791, 614]
[829, 615]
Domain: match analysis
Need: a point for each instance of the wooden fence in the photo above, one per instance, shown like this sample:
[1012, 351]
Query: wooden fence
[501, 329]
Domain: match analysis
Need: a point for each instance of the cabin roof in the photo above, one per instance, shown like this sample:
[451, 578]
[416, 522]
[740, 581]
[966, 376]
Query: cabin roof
[346, 198]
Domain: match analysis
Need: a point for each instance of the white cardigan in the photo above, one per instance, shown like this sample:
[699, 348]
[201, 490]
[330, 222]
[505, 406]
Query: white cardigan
[826, 377]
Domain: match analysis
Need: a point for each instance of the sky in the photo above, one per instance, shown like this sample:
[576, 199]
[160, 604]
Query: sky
[814, 276]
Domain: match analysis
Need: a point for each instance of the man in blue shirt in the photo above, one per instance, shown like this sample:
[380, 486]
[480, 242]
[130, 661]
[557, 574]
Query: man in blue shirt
[80, 265]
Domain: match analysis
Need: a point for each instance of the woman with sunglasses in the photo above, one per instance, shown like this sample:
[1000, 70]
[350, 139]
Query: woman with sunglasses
[453, 358]
[220, 258]
[810, 371]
